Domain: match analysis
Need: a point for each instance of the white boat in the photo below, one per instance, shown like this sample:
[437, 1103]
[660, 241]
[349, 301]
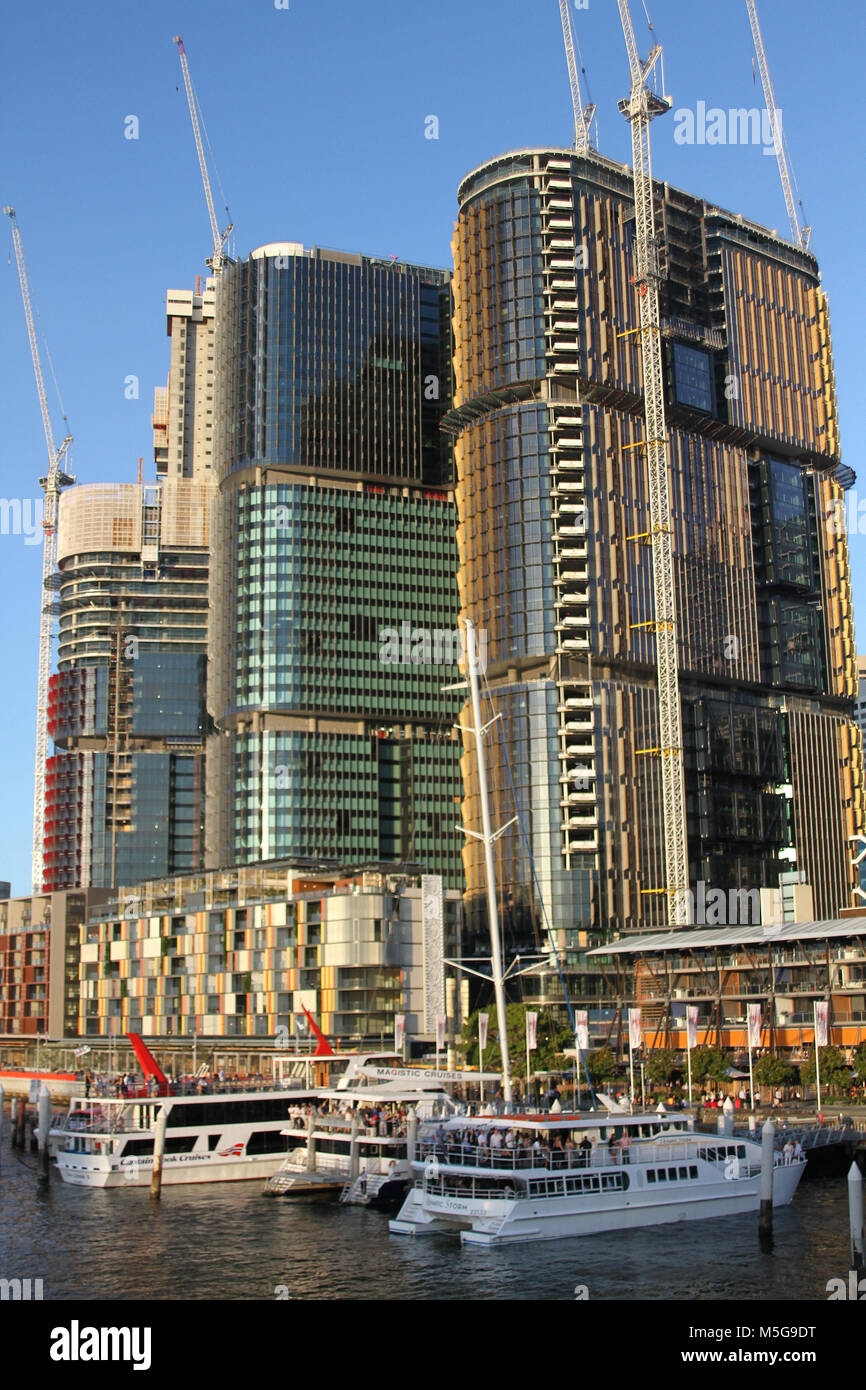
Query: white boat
[334, 1151]
[522, 1178]
[220, 1137]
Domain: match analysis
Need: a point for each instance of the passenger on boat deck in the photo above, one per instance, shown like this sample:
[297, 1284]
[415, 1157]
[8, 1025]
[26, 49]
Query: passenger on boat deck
[586, 1144]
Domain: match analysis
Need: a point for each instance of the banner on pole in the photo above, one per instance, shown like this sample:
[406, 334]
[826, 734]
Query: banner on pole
[581, 1030]
[483, 1021]
[531, 1032]
[822, 1013]
[440, 1032]
[692, 1025]
[635, 1034]
[754, 1025]
[399, 1031]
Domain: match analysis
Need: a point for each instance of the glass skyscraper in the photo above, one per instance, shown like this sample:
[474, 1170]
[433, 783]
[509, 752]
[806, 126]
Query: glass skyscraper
[334, 597]
[548, 421]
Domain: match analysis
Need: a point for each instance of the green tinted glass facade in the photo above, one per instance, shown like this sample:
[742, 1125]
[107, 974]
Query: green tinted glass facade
[335, 604]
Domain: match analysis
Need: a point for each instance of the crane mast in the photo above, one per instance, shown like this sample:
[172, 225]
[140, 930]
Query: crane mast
[219, 258]
[639, 108]
[52, 484]
[800, 234]
[583, 115]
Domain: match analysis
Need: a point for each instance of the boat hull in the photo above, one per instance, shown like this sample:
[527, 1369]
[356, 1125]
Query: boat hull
[500, 1222]
[84, 1170]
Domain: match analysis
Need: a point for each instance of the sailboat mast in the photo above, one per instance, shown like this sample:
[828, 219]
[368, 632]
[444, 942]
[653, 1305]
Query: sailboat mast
[487, 839]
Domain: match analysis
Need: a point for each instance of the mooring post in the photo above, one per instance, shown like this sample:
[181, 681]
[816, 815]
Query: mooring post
[768, 1159]
[13, 1111]
[855, 1214]
[311, 1140]
[158, 1150]
[44, 1127]
[354, 1154]
[411, 1135]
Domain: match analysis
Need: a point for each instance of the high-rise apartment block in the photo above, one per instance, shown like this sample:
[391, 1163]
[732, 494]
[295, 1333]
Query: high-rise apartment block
[333, 593]
[548, 427]
[125, 789]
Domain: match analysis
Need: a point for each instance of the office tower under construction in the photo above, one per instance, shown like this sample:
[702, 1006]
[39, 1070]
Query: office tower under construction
[333, 593]
[125, 788]
[555, 565]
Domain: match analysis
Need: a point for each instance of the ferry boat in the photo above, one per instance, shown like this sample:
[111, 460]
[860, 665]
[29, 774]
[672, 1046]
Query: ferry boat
[544, 1177]
[337, 1154]
[221, 1137]
[215, 1132]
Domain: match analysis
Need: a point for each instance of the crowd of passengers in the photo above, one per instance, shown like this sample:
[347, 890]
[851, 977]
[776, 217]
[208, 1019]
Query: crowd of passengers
[525, 1148]
[384, 1121]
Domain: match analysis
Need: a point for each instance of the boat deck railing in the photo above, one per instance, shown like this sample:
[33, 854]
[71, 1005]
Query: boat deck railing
[600, 1156]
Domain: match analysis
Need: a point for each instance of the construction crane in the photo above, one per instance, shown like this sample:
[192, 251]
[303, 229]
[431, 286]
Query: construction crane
[219, 258]
[800, 233]
[583, 115]
[640, 108]
[52, 484]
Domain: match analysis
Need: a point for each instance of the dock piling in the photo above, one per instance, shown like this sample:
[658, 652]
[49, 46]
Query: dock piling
[855, 1214]
[411, 1135]
[13, 1112]
[44, 1127]
[158, 1150]
[311, 1140]
[768, 1159]
[354, 1154]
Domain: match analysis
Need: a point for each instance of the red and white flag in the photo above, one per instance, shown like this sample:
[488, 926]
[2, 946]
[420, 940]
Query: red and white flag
[399, 1031]
[635, 1033]
[531, 1032]
[581, 1030]
[822, 1015]
[692, 1025]
[440, 1032]
[754, 1025]
[483, 1021]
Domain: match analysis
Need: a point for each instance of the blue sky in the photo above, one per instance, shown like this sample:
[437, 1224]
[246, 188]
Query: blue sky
[316, 114]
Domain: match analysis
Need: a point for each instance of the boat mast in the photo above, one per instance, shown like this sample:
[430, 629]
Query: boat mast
[487, 838]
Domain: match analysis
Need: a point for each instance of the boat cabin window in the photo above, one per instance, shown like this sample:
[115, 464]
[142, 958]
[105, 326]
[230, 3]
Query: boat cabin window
[174, 1144]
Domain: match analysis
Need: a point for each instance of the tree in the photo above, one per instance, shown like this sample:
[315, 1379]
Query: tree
[860, 1062]
[551, 1040]
[660, 1064]
[772, 1071]
[835, 1072]
[709, 1064]
[601, 1065]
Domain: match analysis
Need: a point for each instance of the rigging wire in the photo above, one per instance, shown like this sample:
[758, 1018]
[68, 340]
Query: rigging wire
[528, 848]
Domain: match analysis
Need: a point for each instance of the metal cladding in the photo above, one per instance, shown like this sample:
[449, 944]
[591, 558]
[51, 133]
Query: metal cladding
[334, 557]
[552, 494]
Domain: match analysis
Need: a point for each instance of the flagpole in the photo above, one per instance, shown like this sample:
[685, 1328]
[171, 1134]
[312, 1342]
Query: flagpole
[689, 1060]
[630, 1066]
[527, 1061]
[480, 1065]
[817, 1053]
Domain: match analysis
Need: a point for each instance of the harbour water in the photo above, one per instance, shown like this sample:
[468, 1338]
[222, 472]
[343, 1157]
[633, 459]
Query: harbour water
[225, 1241]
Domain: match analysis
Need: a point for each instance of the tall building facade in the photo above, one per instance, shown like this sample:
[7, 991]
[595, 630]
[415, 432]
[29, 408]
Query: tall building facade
[183, 409]
[240, 952]
[125, 788]
[334, 561]
[548, 421]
